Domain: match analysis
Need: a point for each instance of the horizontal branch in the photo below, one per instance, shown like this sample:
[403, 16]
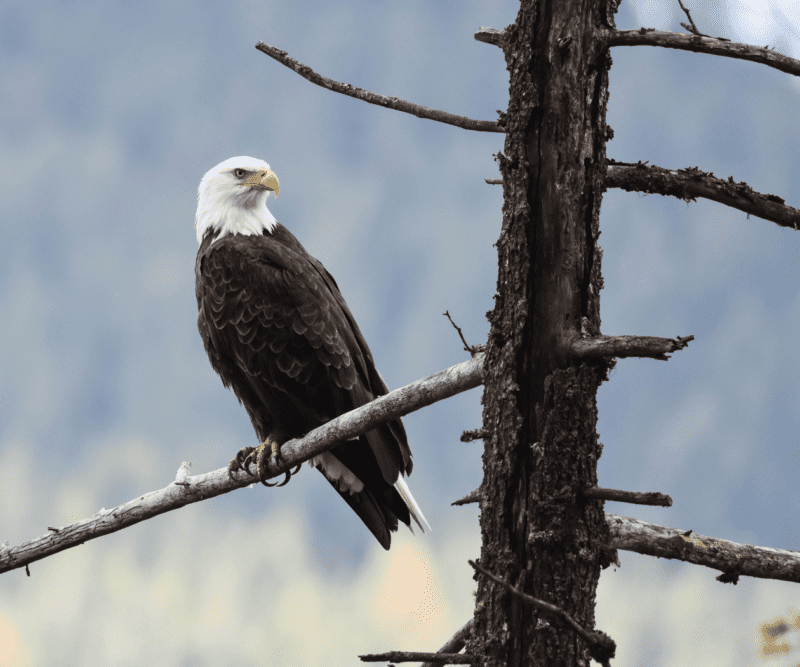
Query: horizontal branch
[690, 183]
[409, 656]
[687, 184]
[192, 489]
[455, 643]
[475, 434]
[374, 98]
[472, 497]
[597, 492]
[632, 497]
[698, 44]
[620, 347]
[718, 46]
[731, 558]
[490, 36]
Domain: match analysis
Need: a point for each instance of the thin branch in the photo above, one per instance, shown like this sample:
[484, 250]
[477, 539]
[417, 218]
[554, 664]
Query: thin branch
[692, 28]
[472, 349]
[473, 497]
[397, 403]
[475, 434]
[601, 647]
[687, 184]
[633, 497]
[408, 656]
[712, 45]
[731, 558]
[494, 181]
[455, 643]
[490, 36]
[620, 347]
[374, 98]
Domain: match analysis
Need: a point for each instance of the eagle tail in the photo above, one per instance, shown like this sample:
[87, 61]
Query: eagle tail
[413, 508]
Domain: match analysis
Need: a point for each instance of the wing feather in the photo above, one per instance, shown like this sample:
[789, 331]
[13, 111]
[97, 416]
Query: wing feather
[278, 331]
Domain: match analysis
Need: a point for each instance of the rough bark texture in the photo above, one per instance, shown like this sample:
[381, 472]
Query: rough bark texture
[539, 533]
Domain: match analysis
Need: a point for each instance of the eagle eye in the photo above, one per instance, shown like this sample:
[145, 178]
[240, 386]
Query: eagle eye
[239, 173]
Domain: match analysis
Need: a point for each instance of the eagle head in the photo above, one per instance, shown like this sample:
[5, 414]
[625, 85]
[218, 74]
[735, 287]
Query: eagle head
[232, 198]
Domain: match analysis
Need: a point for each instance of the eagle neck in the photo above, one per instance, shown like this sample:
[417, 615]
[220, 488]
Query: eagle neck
[224, 220]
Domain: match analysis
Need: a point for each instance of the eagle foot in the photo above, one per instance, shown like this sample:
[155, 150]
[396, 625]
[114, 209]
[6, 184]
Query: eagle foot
[242, 460]
[270, 449]
[260, 456]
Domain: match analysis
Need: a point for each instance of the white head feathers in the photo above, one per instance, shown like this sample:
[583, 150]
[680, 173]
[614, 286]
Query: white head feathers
[232, 198]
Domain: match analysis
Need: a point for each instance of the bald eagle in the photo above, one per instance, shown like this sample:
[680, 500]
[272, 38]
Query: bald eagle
[279, 333]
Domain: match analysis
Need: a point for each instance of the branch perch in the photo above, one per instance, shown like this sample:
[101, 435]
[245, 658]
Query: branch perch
[633, 497]
[713, 45]
[472, 497]
[475, 434]
[688, 184]
[628, 346]
[731, 558]
[374, 98]
[490, 36]
[699, 43]
[192, 489]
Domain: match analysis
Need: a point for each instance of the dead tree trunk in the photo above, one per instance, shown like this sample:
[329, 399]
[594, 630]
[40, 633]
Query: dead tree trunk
[541, 448]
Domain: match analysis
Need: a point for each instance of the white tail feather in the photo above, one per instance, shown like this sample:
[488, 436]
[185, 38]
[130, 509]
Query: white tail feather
[337, 472]
[408, 499]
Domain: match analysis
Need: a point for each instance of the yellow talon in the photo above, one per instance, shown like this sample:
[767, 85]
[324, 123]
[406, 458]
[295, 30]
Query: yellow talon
[260, 458]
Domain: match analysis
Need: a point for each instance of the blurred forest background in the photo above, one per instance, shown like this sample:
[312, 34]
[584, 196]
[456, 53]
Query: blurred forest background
[110, 113]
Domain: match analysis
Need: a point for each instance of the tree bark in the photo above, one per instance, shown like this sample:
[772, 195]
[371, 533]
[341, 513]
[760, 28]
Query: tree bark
[540, 534]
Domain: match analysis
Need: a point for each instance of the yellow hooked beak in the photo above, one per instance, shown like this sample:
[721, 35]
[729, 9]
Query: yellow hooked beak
[265, 178]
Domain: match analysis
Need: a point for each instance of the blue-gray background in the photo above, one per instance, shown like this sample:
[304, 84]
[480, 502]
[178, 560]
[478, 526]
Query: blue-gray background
[110, 113]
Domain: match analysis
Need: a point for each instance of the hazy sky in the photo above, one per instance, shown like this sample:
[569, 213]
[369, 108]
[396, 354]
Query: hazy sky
[110, 114]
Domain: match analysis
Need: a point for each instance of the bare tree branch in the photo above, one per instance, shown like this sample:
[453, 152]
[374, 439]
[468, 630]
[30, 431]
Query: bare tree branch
[633, 497]
[374, 98]
[601, 647]
[472, 497]
[192, 489]
[620, 347]
[472, 349]
[474, 434]
[490, 36]
[687, 184]
[712, 45]
[692, 28]
[409, 656]
[731, 558]
[455, 643]
[597, 492]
